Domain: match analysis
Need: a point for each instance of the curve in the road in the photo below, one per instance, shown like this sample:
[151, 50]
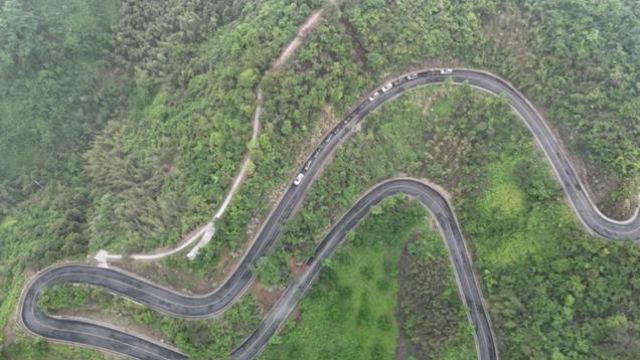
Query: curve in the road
[440, 210]
[170, 302]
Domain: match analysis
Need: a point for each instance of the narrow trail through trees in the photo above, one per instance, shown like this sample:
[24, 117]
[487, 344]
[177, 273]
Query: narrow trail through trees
[202, 237]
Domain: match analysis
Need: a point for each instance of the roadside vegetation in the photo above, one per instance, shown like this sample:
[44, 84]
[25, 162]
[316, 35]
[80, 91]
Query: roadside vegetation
[364, 41]
[553, 291]
[578, 60]
[351, 312]
[40, 349]
[431, 315]
[200, 339]
[123, 124]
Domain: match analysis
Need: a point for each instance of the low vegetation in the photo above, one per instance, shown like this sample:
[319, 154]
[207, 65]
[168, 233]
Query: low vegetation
[351, 312]
[123, 124]
[541, 272]
[31, 349]
[554, 291]
[431, 314]
[201, 339]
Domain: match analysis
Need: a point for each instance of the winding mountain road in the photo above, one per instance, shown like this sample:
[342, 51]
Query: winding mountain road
[106, 337]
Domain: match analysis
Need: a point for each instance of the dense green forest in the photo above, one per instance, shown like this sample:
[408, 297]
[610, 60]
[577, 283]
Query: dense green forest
[122, 124]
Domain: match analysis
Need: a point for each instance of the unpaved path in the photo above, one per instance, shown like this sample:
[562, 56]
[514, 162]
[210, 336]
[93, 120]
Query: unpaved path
[206, 232]
[285, 55]
[303, 31]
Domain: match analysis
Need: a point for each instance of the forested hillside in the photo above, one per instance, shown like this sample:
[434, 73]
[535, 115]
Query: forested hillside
[58, 87]
[123, 122]
[579, 60]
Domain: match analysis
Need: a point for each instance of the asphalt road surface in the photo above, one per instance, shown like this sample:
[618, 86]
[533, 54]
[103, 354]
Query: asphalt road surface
[120, 341]
[445, 218]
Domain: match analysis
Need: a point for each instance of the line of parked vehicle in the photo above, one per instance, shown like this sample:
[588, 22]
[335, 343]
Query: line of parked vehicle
[386, 87]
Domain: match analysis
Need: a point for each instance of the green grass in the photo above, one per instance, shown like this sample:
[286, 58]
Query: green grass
[351, 312]
[7, 222]
[444, 108]
[504, 194]
[355, 319]
[462, 346]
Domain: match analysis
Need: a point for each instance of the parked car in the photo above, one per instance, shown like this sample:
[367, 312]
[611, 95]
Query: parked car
[446, 71]
[298, 179]
[307, 166]
[387, 87]
[373, 96]
[411, 76]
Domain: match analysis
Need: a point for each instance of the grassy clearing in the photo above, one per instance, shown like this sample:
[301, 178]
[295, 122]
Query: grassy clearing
[504, 195]
[355, 319]
[351, 312]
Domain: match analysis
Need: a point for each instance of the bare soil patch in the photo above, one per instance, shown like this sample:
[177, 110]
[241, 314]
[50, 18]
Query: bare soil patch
[266, 296]
[9, 333]
[296, 314]
[297, 269]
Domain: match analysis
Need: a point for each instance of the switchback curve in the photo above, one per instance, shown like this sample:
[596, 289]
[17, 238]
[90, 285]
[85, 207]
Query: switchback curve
[38, 323]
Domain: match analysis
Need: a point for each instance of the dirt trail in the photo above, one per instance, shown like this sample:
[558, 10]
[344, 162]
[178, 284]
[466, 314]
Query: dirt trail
[208, 230]
[303, 31]
[285, 55]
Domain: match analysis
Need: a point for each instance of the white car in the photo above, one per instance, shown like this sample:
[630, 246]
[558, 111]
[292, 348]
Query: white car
[298, 179]
[387, 87]
[373, 96]
[446, 71]
[411, 76]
